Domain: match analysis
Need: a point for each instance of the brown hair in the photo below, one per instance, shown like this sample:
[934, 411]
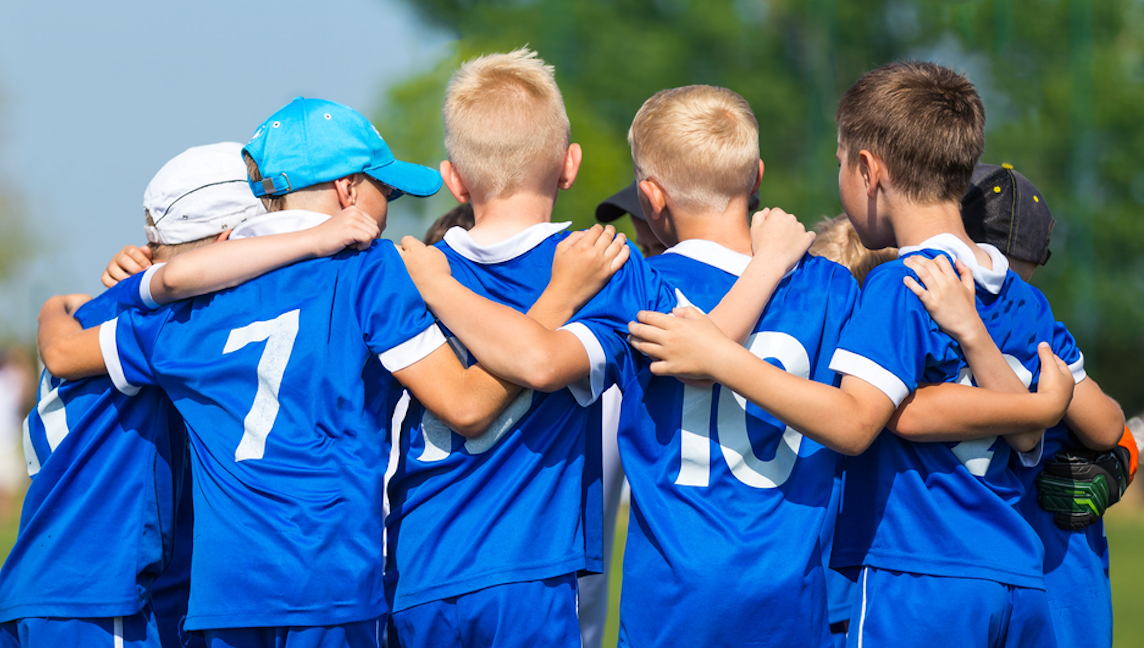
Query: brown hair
[271, 203]
[838, 241]
[505, 123]
[700, 143]
[926, 122]
[459, 216]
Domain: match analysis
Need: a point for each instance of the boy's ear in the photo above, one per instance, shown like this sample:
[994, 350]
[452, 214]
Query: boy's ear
[347, 191]
[571, 166]
[873, 171]
[758, 178]
[655, 199]
[454, 181]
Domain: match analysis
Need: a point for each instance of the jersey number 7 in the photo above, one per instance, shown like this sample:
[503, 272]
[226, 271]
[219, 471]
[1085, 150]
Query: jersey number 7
[279, 334]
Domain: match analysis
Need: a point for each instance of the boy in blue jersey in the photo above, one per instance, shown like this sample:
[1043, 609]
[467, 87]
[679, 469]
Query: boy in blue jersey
[707, 470]
[105, 535]
[944, 558]
[488, 534]
[287, 384]
[1002, 208]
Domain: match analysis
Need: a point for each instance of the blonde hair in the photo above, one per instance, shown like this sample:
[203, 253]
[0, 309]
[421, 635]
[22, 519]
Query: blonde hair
[838, 241]
[505, 124]
[700, 143]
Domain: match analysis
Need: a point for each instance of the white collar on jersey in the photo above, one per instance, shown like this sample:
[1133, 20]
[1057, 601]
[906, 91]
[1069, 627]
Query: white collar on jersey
[462, 243]
[714, 254]
[279, 222]
[990, 280]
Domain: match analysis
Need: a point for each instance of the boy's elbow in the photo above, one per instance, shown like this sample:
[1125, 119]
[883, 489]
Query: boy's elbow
[467, 421]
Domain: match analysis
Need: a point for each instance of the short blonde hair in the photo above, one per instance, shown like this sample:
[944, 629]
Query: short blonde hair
[505, 123]
[271, 203]
[700, 143]
[838, 241]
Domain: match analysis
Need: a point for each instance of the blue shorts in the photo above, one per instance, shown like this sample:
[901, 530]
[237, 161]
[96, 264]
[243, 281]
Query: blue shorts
[902, 609]
[135, 631]
[524, 615]
[362, 634]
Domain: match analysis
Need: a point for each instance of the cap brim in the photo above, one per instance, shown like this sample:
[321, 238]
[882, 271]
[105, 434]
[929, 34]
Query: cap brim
[408, 178]
[625, 201]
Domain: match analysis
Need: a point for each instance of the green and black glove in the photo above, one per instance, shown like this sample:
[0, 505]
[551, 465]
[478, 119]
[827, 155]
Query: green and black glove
[1078, 485]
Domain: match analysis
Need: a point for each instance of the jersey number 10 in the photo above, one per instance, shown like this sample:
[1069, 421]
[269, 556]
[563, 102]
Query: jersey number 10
[695, 446]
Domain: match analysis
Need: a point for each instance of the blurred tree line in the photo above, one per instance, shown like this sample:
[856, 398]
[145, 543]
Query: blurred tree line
[1062, 81]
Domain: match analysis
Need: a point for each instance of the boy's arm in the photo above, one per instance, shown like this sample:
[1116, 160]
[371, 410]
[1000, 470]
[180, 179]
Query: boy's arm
[508, 344]
[469, 400]
[937, 412]
[778, 242]
[230, 263]
[1095, 418]
[68, 351]
[845, 419]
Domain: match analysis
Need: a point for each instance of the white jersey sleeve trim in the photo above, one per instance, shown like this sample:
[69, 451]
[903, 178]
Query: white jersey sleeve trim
[145, 286]
[588, 389]
[412, 350]
[1077, 368]
[848, 362]
[1032, 458]
[110, 350]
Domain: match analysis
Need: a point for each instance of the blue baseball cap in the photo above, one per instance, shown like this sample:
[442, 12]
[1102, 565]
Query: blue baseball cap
[311, 141]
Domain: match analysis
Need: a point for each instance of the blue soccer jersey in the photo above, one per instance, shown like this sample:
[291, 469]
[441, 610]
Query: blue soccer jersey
[522, 501]
[99, 518]
[941, 509]
[1076, 562]
[728, 503]
[285, 388]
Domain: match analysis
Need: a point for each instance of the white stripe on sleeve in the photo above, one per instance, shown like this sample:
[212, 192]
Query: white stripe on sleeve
[110, 350]
[145, 286]
[848, 362]
[1077, 368]
[412, 350]
[588, 389]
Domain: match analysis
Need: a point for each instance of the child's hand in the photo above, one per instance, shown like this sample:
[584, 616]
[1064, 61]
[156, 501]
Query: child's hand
[131, 260]
[423, 262]
[683, 344]
[780, 236]
[585, 261]
[351, 227]
[948, 295]
[1056, 383]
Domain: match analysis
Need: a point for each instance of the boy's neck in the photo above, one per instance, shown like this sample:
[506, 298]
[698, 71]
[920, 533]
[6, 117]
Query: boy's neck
[503, 218]
[730, 228]
[916, 223]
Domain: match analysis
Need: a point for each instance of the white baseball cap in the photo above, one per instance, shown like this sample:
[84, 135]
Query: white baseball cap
[201, 192]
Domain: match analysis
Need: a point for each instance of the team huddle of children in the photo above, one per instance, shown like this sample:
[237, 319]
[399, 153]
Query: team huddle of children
[258, 377]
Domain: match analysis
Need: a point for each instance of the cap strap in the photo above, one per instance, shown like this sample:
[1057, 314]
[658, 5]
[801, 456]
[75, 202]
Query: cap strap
[279, 184]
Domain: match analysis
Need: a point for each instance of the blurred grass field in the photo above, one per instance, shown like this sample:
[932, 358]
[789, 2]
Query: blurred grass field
[1124, 525]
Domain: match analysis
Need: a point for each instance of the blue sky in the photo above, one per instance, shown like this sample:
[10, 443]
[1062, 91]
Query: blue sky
[95, 97]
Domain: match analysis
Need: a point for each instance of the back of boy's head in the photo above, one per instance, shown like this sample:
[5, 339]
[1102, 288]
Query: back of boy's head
[1002, 208]
[459, 216]
[924, 121]
[700, 143]
[311, 141]
[197, 195]
[838, 241]
[506, 128]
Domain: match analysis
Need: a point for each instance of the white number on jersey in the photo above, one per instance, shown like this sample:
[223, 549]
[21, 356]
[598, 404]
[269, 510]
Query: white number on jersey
[54, 417]
[439, 438]
[279, 334]
[976, 455]
[695, 468]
